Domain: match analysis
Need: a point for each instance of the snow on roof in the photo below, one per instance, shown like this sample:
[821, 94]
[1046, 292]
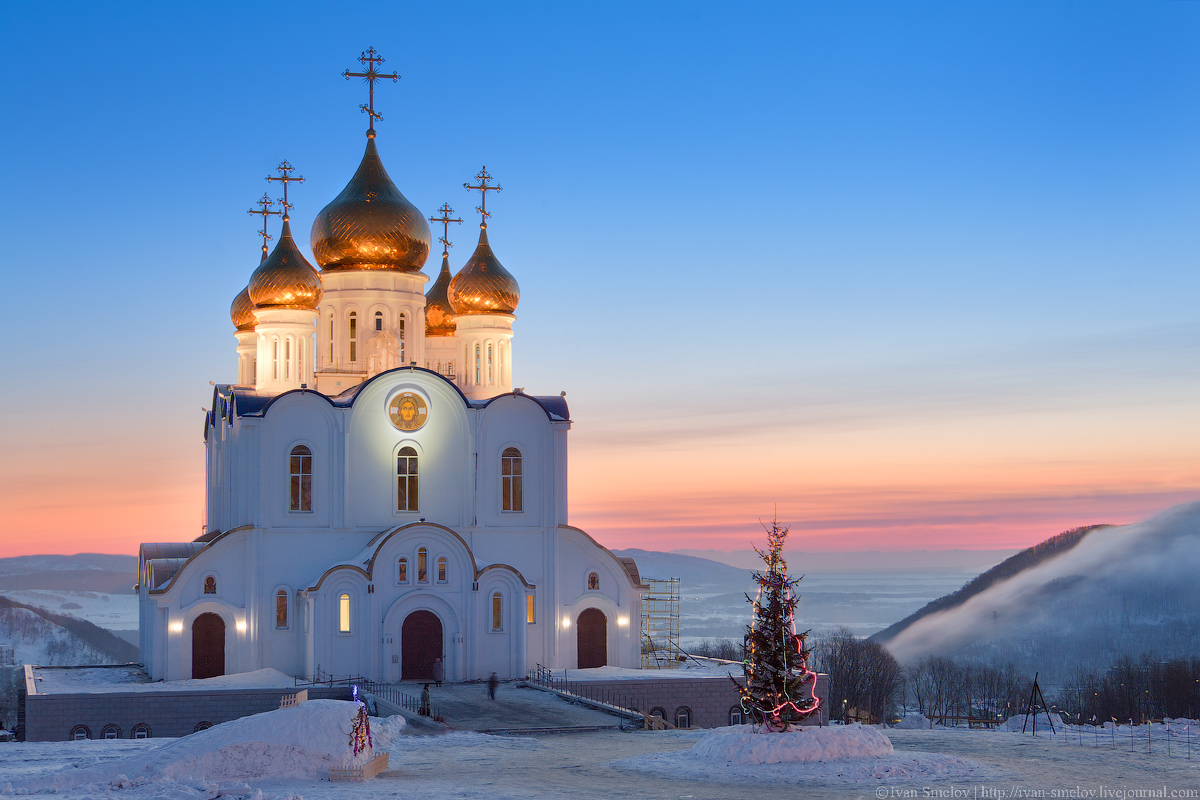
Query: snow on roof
[132, 678]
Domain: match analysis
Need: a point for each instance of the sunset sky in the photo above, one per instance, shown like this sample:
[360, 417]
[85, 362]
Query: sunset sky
[915, 275]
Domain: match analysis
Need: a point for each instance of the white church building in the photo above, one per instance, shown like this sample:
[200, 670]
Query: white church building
[378, 494]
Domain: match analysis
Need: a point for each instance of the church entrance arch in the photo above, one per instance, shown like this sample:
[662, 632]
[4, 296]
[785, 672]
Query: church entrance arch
[420, 645]
[208, 646]
[593, 638]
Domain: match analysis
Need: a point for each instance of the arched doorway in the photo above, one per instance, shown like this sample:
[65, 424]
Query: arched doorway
[208, 646]
[593, 638]
[420, 645]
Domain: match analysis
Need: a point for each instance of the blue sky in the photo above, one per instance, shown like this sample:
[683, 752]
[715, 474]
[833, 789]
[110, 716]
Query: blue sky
[940, 252]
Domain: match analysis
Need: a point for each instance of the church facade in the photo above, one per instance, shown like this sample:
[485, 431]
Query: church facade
[379, 496]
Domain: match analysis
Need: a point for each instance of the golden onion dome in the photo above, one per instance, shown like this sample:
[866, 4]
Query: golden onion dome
[483, 285]
[370, 225]
[285, 279]
[439, 316]
[242, 311]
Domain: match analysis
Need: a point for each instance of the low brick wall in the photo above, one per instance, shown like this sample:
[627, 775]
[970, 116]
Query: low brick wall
[710, 699]
[52, 717]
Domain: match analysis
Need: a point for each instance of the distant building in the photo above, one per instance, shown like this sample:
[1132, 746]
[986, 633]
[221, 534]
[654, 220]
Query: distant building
[8, 655]
[378, 493]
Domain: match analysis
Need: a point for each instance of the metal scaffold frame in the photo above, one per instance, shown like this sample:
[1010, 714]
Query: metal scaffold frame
[660, 624]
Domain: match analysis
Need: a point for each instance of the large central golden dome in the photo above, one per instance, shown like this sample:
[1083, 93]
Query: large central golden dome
[370, 225]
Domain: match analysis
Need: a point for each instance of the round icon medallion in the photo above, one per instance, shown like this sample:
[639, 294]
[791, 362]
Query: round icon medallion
[408, 411]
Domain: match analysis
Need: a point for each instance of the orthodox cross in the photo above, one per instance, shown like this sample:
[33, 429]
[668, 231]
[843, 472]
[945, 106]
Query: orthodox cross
[264, 204]
[483, 189]
[445, 219]
[285, 169]
[370, 58]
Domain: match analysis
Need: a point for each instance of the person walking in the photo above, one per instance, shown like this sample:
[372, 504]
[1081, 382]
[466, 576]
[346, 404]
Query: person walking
[493, 682]
[438, 672]
[425, 708]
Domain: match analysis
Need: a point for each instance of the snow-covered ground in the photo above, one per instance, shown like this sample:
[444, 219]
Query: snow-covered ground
[134, 679]
[115, 612]
[282, 754]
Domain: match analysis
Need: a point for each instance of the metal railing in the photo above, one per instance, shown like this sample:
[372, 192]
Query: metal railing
[624, 704]
[393, 695]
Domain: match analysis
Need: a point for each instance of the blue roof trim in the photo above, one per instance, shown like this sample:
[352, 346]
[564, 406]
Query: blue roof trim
[555, 406]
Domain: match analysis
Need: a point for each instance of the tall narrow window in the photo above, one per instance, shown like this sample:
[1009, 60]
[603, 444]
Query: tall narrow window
[301, 478]
[497, 612]
[210, 585]
[330, 337]
[281, 609]
[378, 320]
[344, 613]
[490, 362]
[406, 479]
[422, 566]
[477, 372]
[510, 479]
[503, 347]
[287, 359]
[529, 609]
[403, 349]
[441, 570]
[353, 336]
[450, 369]
[402, 571]
[301, 372]
[274, 359]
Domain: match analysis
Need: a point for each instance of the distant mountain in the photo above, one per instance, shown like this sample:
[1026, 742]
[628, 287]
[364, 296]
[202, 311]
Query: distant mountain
[1082, 599]
[693, 572]
[866, 561]
[92, 572]
[43, 637]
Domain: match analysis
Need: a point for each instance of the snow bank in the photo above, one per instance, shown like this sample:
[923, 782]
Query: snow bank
[301, 742]
[1015, 724]
[913, 722]
[134, 679]
[740, 745]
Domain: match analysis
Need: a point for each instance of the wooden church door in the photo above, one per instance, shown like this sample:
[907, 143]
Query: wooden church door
[593, 639]
[208, 646]
[420, 645]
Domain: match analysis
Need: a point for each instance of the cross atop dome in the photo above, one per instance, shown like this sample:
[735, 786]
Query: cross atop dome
[483, 177]
[370, 58]
[445, 220]
[285, 169]
[264, 204]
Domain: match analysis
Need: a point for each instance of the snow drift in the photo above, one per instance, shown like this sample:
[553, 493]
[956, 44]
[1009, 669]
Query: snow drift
[740, 745]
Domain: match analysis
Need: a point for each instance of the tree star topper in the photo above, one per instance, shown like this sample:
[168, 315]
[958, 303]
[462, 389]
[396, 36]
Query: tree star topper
[370, 58]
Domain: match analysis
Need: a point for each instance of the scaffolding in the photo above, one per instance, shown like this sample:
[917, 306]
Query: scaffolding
[660, 624]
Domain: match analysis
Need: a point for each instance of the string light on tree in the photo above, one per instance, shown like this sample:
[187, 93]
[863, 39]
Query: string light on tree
[780, 688]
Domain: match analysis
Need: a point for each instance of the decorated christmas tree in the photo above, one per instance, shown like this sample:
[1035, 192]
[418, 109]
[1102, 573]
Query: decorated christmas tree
[780, 688]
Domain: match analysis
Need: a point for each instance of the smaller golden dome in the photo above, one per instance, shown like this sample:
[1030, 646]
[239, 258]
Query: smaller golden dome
[483, 285]
[285, 279]
[242, 311]
[370, 225]
[439, 316]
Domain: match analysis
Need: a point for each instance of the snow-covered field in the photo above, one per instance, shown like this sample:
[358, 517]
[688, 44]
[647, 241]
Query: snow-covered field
[115, 612]
[284, 754]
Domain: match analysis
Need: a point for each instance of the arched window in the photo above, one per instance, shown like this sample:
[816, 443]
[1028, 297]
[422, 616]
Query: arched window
[402, 571]
[477, 369]
[403, 351]
[510, 479]
[503, 374]
[378, 320]
[331, 329]
[736, 717]
[529, 609]
[406, 479]
[275, 359]
[353, 336]
[80, 732]
[281, 609]
[141, 731]
[210, 585]
[593, 580]
[287, 358]
[422, 566]
[661, 713]
[450, 369]
[344, 613]
[497, 611]
[201, 726]
[301, 478]
[301, 372]
[110, 732]
[490, 381]
[683, 717]
[441, 570]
